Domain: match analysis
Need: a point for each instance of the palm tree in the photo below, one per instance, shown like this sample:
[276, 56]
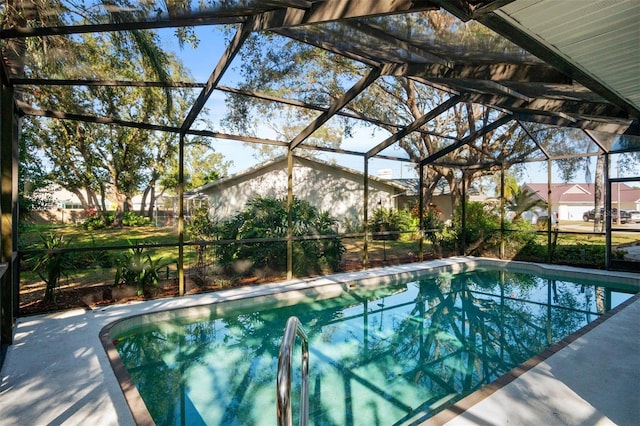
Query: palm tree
[521, 199]
[35, 13]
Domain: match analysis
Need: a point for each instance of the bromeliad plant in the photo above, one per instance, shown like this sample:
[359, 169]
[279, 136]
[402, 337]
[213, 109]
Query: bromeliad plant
[137, 268]
[52, 263]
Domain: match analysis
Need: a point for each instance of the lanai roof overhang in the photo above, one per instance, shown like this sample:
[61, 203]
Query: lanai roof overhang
[567, 64]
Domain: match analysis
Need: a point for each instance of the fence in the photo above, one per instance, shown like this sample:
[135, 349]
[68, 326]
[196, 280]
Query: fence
[100, 275]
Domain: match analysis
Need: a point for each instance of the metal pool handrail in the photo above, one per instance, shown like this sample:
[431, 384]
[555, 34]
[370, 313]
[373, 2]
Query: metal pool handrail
[284, 374]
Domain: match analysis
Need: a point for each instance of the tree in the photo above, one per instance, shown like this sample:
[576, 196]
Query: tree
[33, 180]
[202, 165]
[284, 67]
[116, 160]
[87, 158]
[521, 200]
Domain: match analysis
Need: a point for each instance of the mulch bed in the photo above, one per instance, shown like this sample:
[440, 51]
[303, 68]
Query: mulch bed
[96, 295]
[88, 297]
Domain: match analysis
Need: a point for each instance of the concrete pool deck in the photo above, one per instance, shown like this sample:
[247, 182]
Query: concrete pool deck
[57, 371]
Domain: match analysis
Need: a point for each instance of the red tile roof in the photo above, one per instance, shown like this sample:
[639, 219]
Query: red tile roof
[580, 193]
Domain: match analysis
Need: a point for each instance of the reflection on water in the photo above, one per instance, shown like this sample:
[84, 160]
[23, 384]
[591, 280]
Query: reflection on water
[390, 356]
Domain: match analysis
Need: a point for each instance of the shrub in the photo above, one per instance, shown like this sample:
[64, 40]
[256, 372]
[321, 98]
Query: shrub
[433, 226]
[580, 254]
[200, 226]
[390, 220]
[352, 226]
[481, 222]
[136, 268]
[93, 258]
[521, 236]
[52, 264]
[135, 219]
[267, 218]
[95, 221]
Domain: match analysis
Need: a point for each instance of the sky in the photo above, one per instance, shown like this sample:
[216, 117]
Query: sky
[202, 60]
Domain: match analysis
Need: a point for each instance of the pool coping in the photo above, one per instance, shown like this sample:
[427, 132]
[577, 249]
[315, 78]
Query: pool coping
[489, 389]
[407, 271]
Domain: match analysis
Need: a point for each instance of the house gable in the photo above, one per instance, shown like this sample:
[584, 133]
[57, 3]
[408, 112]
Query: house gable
[572, 200]
[563, 192]
[325, 186]
[577, 190]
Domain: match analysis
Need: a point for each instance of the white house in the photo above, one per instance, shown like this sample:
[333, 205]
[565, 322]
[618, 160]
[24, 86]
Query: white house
[64, 206]
[328, 187]
[572, 200]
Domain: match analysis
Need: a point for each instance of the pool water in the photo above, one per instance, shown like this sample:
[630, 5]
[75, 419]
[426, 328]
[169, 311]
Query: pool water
[378, 356]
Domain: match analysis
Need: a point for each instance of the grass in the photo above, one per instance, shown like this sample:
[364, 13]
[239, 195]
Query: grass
[81, 238]
[89, 270]
[580, 249]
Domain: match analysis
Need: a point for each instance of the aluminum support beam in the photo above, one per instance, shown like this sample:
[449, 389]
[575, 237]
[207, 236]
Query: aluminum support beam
[27, 110]
[181, 281]
[451, 102]
[226, 89]
[549, 210]
[535, 141]
[608, 215]
[475, 135]
[493, 72]
[365, 220]
[421, 211]
[232, 50]
[289, 214]
[354, 91]
[9, 160]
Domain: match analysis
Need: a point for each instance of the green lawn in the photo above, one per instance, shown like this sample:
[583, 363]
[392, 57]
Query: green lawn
[97, 266]
[81, 238]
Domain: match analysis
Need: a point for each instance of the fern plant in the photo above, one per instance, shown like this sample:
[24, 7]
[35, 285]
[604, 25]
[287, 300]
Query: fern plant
[268, 218]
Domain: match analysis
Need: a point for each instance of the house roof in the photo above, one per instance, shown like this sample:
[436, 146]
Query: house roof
[412, 187]
[311, 162]
[582, 193]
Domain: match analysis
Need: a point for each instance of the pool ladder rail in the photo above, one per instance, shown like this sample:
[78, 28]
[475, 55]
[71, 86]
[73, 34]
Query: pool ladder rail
[292, 329]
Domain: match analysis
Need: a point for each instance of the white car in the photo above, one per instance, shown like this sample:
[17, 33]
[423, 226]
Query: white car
[634, 216]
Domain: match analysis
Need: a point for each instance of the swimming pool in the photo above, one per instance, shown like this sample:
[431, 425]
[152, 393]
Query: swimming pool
[392, 354]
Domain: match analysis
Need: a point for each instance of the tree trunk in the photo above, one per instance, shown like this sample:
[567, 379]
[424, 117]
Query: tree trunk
[597, 202]
[143, 200]
[121, 200]
[152, 200]
[83, 201]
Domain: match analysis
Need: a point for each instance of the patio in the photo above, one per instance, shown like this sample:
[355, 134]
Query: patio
[57, 371]
[508, 67]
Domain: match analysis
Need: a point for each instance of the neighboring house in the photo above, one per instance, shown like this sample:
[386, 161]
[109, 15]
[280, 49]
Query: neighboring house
[440, 198]
[65, 207]
[328, 187]
[572, 200]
